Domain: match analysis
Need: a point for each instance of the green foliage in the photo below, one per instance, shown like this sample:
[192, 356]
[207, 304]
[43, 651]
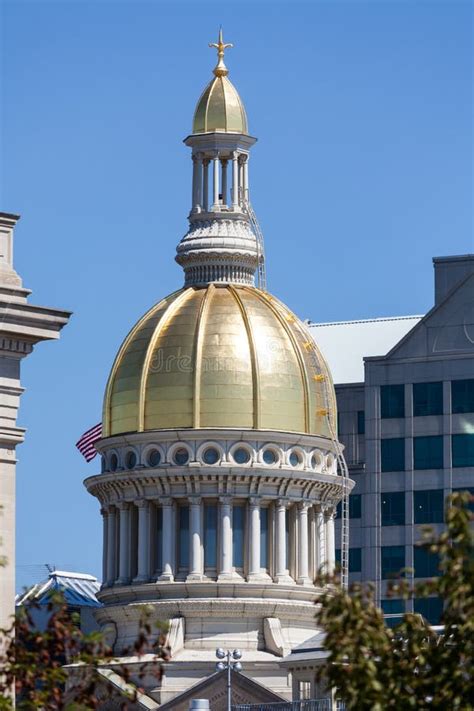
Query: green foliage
[372, 667]
[33, 662]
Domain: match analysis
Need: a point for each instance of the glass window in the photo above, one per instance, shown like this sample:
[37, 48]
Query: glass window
[462, 396]
[241, 456]
[337, 557]
[430, 607]
[264, 538]
[304, 690]
[394, 606]
[360, 422]
[113, 463]
[463, 450]
[393, 508]
[392, 453]
[269, 456]
[295, 459]
[427, 399]
[183, 537]
[238, 527]
[428, 506]
[210, 536]
[392, 401]
[181, 456]
[425, 563]
[154, 458]
[428, 452]
[130, 460]
[211, 456]
[355, 506]
[392, 561]
[355, 560]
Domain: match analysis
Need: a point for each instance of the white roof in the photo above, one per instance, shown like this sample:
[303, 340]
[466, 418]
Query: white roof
[344, 344]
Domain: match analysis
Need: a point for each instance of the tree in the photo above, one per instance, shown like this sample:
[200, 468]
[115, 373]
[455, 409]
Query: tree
[372, 667]
[33, 661]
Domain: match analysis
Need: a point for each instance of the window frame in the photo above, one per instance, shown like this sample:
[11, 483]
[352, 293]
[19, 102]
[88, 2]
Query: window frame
[389, 407]
[385, 469]
[421, 463]
[432, 403]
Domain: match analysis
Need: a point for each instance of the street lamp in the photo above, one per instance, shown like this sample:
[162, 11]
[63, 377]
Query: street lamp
[228, 660]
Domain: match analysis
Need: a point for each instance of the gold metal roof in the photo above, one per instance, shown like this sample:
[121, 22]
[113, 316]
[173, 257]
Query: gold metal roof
[220, 107]
[219, 356]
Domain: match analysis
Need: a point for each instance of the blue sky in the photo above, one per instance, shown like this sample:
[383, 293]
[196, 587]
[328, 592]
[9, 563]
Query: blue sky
[363, 171]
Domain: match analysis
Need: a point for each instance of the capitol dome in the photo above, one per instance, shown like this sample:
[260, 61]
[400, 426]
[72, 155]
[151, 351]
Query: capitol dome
[219, 356]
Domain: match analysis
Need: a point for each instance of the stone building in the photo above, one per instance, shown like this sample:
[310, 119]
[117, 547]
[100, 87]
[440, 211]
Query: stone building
[22, 325]
[219, 480]
[406, 418]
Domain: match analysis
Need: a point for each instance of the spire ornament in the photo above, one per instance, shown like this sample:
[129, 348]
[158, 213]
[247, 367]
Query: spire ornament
[220, 70]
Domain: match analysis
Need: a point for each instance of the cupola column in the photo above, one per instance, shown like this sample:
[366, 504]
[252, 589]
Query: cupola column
[330, 544]
[303, 551]
[195, 542]
[245, 179]
[167, 573]
[320, 540]
[235, 180]
[105, 535]
[143, 567]
[124, 562]
[224, 182]
[215, 205]
[111, 546]
[197, 182]
[225, 509]
[281, 574]
[205, 185]
[254, 539]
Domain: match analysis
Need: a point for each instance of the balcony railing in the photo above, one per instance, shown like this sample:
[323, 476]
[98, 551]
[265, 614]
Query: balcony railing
[306, 705]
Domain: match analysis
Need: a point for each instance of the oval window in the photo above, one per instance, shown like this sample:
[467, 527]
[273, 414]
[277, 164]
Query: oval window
[269, 456]
[241, 456]
[154, 458]
[181, 456]
[211, 455]
[295, 459]
[316, 461]
[113, 463]
[130, 460]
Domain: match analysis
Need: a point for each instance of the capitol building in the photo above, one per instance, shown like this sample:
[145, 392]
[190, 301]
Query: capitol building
[221, 469]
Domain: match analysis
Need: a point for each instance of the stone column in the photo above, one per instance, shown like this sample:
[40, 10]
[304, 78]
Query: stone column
[196, 571]
[281, 571]
[235, 180]
[105, 535]
[225, 510]
[329, 516]
[205, 185]
[224, 182]
[303, 549]
[111, 546]
[124, 562]
[167, 536]
[254, 539]
[320, 540]
[143, 567]
[195, 183]
[215, 205]
[245, 178]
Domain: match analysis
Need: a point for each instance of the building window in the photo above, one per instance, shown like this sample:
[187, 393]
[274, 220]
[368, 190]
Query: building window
[355, 506]
[393, 508]
[360, 422]
[181, 456]
[425, 563]
[304, 690]
[429, 506]
[113, 463]
[130, 460]
[428, 452]
[394, 606]
[427, 399]
[462, 396]
[183, 537]
[154, 458]
[392, 454]
[355, 560]
[210, 536]
[430, 607]
[463, 450]
[337, 557]
[270, 456]
[264, 538]
[241, 456]
[392, 561]
[211, 456]
[238, 529]
[392, 401]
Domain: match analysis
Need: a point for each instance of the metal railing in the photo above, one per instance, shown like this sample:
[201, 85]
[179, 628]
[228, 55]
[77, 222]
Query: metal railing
[306, 705]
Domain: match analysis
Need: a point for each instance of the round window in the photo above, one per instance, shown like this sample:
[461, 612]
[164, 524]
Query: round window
[211, 455]
[295, 459]
[316, 461]
[241, 456]
[181, 456]
[130, 460]
[113, 463]
[269, 456]
[154, 458]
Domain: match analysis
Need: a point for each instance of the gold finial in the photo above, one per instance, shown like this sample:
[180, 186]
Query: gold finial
[220, 70]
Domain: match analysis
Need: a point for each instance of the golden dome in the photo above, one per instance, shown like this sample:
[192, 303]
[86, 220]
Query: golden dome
[220, 108]
[219, 356]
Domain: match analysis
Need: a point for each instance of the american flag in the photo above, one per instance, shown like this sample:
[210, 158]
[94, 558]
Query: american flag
[86, 443]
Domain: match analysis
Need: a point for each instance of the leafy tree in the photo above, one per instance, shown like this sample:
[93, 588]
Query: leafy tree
[33, 662]
[372, 667]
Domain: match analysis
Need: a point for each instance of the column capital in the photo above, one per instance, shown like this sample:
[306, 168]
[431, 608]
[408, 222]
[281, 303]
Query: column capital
[303, 506]
[225, 500]
[123, 505]
[195, 500]
[165, 501]
[142, 503]
[255, 501]
[104, 511]
[282, 503]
